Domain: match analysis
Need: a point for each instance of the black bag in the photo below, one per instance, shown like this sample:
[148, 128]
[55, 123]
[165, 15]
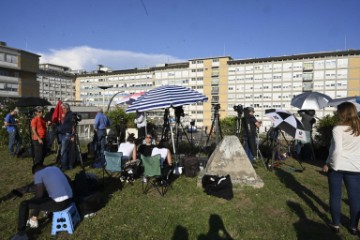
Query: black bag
[191, 166]
[218, 186]
[87, 190]
[91, 203]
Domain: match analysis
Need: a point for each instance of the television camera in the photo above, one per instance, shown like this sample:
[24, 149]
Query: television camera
[179, 112]
[239, 108]
[216, 106]
[76, 117]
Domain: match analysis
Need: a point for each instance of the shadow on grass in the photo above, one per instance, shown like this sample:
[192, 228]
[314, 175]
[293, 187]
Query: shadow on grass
[217, 230]
[180, 233]
[304, 193]
[306, 228]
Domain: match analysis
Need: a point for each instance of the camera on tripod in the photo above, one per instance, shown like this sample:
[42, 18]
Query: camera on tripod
[239, 108]
[216, 106]
[179, 112]
[76, 117]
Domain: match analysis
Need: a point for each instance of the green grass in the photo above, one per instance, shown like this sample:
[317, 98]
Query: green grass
[291, 205]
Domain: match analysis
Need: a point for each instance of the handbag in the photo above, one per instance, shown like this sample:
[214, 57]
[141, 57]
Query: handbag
[218, 186]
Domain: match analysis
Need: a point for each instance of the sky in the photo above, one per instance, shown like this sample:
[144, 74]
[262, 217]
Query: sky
[124, 34]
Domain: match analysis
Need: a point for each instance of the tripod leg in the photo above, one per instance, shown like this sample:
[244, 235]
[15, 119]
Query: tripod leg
[78, 149]
[219, 128]
[211, 129]
[259, 155]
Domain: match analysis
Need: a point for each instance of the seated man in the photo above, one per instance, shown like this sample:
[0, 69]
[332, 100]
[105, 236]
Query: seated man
[53, 193]
[146, 149]
[164, 153]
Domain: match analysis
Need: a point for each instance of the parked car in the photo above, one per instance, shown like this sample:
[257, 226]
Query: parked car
[191, 129]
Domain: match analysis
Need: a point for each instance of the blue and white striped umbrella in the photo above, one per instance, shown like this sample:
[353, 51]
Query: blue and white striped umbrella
[165, 97]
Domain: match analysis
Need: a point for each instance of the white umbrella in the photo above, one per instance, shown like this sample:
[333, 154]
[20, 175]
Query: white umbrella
[287, 122]
[355, 100]
[311, 100]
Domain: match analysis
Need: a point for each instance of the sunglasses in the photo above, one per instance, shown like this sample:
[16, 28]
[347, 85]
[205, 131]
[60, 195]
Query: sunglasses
[149, 137]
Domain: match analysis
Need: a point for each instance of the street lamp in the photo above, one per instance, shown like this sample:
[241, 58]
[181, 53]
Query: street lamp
[108, 107]
[104, 88]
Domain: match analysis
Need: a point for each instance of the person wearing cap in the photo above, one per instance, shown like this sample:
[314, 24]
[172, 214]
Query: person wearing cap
[53, 193]
[38, 130]
[250, 133]
[11, 128]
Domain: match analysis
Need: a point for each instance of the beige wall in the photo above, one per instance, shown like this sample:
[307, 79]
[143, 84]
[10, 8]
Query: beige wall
[354, 76]
[207, 92]
[223, 85]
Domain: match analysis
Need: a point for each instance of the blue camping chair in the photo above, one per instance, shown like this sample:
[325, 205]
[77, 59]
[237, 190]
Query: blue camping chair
[113, 164]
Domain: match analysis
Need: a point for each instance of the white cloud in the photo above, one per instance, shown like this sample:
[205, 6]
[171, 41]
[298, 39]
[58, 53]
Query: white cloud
[87, 58]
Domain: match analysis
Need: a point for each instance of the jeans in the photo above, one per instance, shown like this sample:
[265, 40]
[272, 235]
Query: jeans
[100, 146]
[39, 204]
[14, 136]
[352, 184]
[248, 151]
[65, 150]
[50, 137]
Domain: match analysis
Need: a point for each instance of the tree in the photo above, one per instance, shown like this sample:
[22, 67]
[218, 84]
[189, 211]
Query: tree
[119, 118]
[324, 130]
[228, 126]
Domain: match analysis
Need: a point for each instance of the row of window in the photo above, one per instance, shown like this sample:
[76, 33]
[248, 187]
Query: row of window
[279, 67]
[9, 58]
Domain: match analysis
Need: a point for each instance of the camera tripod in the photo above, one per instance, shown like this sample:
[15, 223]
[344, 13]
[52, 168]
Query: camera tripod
[274, 135]
[77, 150]
[238, 121]
[215, 124]
[78, 155]
[258, 152]
[166, 126]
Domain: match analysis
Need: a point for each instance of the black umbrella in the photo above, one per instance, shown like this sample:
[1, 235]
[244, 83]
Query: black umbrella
[287, 122]
[32, 102]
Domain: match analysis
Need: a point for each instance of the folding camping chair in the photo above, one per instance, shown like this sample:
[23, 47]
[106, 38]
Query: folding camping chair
[113, 164]
[154, 176]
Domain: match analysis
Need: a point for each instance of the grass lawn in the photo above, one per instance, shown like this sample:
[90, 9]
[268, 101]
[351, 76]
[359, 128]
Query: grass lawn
[291, 205]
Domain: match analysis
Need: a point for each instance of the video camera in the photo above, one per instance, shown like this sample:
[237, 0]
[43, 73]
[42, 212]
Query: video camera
[216, 106]
[76, 117]
[179, 112]
[239, 108]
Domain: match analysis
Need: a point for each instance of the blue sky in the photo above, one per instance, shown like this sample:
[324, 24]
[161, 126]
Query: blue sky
[124, 34]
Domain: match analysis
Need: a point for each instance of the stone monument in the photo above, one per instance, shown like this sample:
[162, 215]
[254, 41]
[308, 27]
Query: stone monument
[229, 157]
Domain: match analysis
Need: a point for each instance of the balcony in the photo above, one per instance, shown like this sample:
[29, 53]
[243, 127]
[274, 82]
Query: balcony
[308, 67]
[7, 79]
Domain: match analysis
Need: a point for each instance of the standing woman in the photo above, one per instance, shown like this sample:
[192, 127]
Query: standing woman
[343, 163]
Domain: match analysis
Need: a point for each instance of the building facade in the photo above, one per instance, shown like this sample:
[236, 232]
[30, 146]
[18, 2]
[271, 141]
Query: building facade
[262, 83]
[18, 71]
[56, 82]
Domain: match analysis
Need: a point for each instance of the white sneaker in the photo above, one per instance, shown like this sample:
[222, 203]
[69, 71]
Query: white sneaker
[32, 223]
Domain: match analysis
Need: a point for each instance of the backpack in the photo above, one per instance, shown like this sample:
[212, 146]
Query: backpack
[87, 190]
[191, 166]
